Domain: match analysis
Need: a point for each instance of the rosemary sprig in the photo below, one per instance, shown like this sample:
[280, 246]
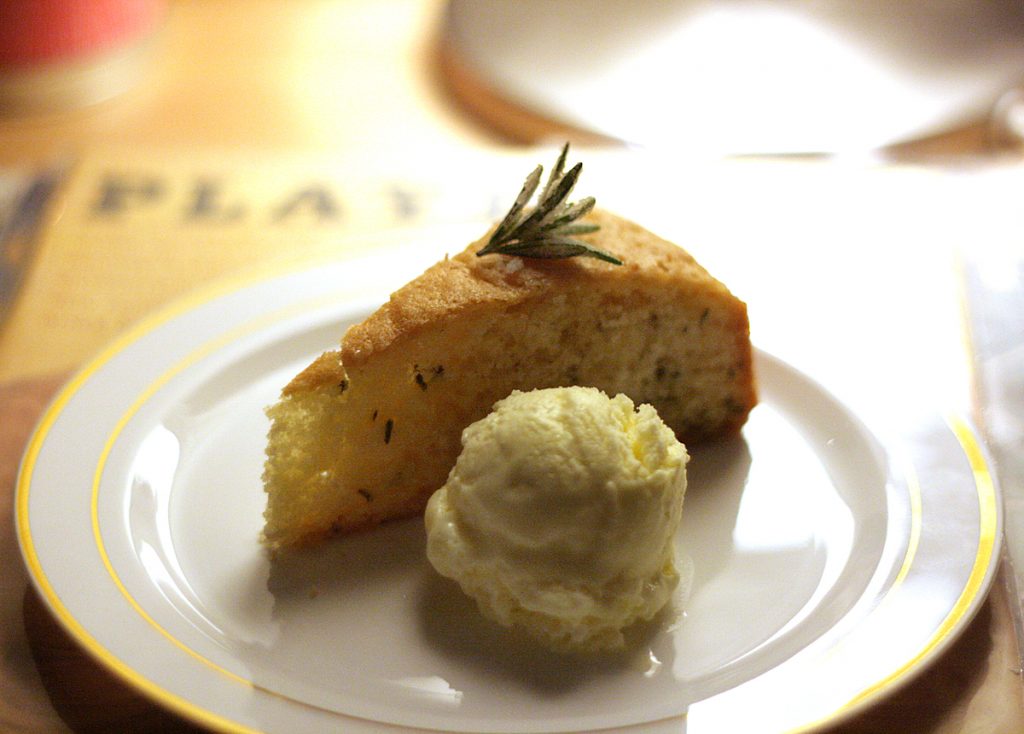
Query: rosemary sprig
[549, 229]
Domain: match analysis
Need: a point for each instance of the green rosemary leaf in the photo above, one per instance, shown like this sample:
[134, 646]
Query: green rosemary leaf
[549, 207]
[547, 229]
[509, 222]
[558, 247]
[571, 213]
[573, 229]
[556, 172]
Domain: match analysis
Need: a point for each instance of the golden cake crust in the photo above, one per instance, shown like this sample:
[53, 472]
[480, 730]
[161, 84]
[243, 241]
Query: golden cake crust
[455, 286]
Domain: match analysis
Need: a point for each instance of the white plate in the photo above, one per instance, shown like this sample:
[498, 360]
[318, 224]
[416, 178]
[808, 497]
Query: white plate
[827, 568]
[738, 74]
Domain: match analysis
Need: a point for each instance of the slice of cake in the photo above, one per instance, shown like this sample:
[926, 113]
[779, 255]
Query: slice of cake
[367, 433]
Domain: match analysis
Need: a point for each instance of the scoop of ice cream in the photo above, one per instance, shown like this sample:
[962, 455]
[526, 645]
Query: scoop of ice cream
[560, 513]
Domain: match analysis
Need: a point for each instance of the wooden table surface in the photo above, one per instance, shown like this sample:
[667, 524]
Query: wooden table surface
[332, 77]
